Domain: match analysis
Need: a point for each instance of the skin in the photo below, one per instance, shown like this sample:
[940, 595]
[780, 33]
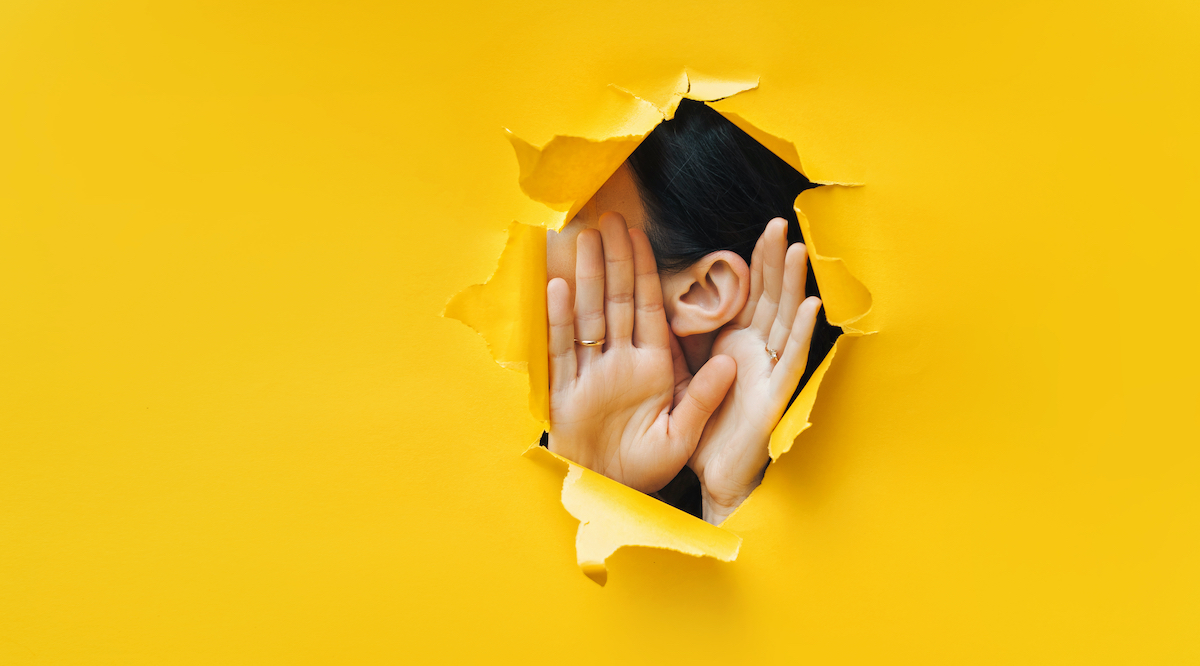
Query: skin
[733, 452]
[619, 195]
[684, 376]
[695, 308]
[624, 409]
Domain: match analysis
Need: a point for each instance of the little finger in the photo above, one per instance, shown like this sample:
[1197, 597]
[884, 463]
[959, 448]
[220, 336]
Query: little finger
[791, 366]
[562, 335]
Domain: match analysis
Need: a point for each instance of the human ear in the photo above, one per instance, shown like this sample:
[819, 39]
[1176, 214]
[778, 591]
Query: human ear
[706, 295]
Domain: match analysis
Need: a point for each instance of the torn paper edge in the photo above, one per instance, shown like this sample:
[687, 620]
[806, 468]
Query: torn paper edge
[693, 86]
[508, 311]
[592, 160]
[846, 299]
[611, 514]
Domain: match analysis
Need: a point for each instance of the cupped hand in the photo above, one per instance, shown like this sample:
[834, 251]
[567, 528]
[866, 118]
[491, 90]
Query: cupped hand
[732, 455]
[628, 408]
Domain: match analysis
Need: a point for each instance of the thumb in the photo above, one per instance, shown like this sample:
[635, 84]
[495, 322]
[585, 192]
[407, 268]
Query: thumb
[679, 365]
[704, 394]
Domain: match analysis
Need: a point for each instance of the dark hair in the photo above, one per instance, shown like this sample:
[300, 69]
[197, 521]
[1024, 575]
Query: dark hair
[706, 186]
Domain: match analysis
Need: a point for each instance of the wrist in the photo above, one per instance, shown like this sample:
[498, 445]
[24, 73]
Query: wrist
[715, 509]
[721, 497]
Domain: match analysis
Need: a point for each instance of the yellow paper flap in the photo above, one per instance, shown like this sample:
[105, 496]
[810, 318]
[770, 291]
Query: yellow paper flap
[613, 516]
[509, 311]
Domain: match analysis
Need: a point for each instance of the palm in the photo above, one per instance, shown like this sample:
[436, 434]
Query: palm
[623, 409]
[621, 405]
[745, 414]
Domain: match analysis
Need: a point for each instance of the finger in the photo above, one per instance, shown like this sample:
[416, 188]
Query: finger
[746, 316]
[704, 394]
[562, 335]
[618, 280]
[650, 319]
[791, 366]
[774, 252]
[589, 293]
[679, 365]
[794, 273]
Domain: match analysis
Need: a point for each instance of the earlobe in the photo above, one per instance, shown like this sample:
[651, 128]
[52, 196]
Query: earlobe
[706, 295]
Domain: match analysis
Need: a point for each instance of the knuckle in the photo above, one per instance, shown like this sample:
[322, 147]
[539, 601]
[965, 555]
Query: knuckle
[698, 403]
[650, 307]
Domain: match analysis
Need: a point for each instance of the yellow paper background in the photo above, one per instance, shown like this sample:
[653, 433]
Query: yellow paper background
[234, 427]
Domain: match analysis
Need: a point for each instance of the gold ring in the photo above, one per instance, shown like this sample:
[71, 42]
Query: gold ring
[590, 343]
[774, 354]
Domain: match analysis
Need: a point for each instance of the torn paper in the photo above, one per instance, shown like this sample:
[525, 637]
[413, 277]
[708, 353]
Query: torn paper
[613, 516]
[509, 311]
[689, 85]
[846, 299]
[564, 173]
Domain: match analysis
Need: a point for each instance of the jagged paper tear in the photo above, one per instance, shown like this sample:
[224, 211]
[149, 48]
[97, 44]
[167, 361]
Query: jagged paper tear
[795, 419]
[612, 516]
[846, 299]
[509, 311]
[565, 173]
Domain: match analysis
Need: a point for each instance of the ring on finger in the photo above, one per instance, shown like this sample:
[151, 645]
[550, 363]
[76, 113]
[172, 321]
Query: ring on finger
[589, 343]
[774, 354]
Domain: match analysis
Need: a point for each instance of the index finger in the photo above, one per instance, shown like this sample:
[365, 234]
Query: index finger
[746, 316]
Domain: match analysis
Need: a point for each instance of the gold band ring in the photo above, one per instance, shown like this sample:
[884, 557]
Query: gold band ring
[774, 354]
[590, 343]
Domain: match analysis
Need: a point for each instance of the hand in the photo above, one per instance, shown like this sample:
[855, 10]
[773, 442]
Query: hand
[624, 409]
[732, 455]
